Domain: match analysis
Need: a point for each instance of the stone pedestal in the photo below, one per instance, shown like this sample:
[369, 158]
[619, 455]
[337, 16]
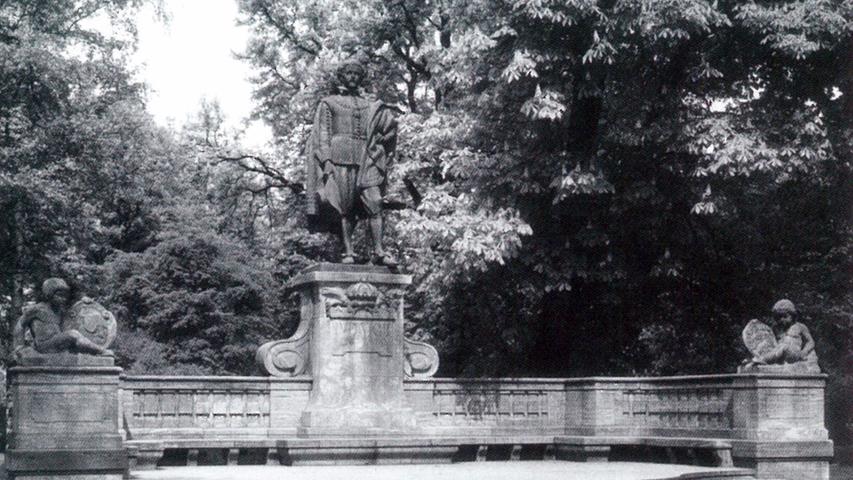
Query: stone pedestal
[785, 435]
[352, 316]
[65, 421]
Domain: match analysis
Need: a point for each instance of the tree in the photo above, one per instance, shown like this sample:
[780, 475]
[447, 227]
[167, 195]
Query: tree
[202, 299]
[607, 186]
[69, 112]
[605, 153]
[100, 195]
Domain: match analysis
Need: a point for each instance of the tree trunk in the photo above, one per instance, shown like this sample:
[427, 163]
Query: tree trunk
[16, 293]
[583, 128]
[411, 84]
[445, 40]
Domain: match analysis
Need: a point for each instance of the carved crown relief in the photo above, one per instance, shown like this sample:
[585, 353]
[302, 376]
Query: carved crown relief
[345, 302]
[361, 301]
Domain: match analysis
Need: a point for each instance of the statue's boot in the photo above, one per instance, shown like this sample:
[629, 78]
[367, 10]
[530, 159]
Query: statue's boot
[385, 259]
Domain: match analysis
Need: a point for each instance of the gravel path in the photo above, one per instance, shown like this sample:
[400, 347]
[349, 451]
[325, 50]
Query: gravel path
[529, 470]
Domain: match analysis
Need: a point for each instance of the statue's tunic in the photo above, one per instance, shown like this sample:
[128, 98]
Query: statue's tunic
[351, 145]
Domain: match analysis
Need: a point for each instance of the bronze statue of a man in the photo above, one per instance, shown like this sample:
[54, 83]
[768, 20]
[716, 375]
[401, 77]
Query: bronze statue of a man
[351, 148]
[45, 321]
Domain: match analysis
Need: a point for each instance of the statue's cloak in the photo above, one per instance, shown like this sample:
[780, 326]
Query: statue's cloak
[378, 152]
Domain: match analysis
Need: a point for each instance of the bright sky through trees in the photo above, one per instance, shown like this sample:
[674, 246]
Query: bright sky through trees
[190, 57]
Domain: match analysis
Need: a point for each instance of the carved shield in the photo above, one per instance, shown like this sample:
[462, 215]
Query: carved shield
[758, 338]
[93, 321]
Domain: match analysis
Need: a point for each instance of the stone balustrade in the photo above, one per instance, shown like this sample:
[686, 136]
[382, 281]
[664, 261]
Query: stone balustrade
[165, 407]
[738, 407]
[525, 406]
[775, 423]
[180, 407]
[748, 407]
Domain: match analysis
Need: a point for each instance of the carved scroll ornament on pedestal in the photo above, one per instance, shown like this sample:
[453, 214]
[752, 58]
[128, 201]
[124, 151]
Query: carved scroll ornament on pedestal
[420, 359]
[286, 358]
[359, 301]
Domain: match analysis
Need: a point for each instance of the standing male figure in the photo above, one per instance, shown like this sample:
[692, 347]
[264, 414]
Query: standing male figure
[352, 145]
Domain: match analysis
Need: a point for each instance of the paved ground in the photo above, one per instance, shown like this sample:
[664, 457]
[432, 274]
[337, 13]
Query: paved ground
[538, 470]
[839, 471]
[457, 471]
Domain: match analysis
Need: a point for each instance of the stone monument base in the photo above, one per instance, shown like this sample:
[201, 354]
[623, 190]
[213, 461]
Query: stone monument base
[367, 451]
[357, 421]
[783, 368]
[67, 464]
[64, 422]
[353, 316]
[31, 358]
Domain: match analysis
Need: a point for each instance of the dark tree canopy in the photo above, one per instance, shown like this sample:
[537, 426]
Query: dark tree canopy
[607, 187]
[598, 187]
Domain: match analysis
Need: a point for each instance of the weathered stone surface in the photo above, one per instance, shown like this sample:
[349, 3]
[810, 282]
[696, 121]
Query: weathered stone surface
[357, 293]
[67, 463]
[330, 273]
[420, 359]
[47, 330]
[66, 360]
[164, 407]
[758, 338]
[770, 421]
[286, 358]
[792, 352]
[355, 318]
[366, 451]
[792, 368]
[64, 392]
[350, 340]
[65, 421]
[93, 321]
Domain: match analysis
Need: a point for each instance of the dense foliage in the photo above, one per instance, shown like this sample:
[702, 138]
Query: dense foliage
[596, 187]
[141, 217]
[603, 187]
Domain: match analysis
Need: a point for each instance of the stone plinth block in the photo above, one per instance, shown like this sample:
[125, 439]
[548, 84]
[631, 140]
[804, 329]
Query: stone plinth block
[65, 423]
[781, 408]
[367, 451]
[353, 319]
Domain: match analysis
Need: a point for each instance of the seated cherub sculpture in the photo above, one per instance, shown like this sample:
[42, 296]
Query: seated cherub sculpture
[52, 332]
[793, 351]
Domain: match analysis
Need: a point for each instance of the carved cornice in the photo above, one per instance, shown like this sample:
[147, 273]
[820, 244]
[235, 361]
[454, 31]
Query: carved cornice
[361, 301]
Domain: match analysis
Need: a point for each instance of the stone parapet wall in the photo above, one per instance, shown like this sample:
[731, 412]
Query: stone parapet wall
[772, 423]
[65, 422]
[761, 407]
[490, 406]
[757, 407]
[167, 407]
